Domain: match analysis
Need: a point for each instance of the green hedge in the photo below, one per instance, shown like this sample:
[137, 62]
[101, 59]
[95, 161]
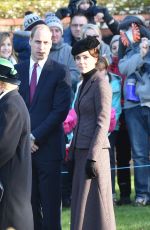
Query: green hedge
[16, 8]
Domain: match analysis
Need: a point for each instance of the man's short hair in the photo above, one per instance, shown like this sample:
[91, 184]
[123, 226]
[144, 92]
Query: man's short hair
[78, 14]
[36, 27]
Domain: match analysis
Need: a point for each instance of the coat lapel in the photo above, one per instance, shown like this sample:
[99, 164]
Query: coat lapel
[24, 77]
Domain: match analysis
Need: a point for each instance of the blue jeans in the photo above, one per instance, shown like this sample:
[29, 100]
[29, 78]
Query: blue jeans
[138, 124]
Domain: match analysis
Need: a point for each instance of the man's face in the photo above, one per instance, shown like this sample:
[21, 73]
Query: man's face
[41, 44]
[76, 26]
[56, 34]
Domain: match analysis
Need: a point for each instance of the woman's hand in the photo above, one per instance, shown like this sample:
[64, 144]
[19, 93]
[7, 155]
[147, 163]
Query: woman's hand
[90, 169]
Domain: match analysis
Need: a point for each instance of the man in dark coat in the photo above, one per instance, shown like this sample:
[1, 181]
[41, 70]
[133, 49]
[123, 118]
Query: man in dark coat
[48, 109]
[15, 154]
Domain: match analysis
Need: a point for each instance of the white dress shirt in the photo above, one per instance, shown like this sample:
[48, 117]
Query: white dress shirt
[39, 68]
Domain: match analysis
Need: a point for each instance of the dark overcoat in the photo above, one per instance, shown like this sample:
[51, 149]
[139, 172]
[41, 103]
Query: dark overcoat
[92, 206]
[15, 163]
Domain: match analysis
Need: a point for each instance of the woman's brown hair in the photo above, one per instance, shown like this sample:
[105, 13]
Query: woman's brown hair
[4, 36]
[102, 64]
[94, 53]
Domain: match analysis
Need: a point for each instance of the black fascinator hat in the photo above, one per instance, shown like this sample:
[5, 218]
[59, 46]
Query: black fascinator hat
[85, 44]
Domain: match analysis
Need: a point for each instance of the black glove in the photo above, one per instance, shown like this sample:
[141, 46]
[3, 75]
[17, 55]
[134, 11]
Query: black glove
[93, 10]
[90, 169]
[107, 17]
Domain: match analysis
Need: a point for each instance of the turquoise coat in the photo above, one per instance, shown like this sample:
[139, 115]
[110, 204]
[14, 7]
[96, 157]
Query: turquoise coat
[116, 97]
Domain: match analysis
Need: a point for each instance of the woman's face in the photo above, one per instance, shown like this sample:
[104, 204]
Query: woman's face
[114, 48]
[6, 48]
[85, 62]
[93, 33]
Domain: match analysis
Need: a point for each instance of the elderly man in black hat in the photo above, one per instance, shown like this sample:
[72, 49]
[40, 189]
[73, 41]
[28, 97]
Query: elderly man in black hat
[15, 156]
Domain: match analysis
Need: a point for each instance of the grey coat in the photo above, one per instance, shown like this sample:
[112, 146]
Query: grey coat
[92, 206]
[133, 63]
[61, 53]
[105, 51]
[15, 163]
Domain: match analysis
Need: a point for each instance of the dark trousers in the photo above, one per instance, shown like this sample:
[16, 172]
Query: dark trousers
[123, 157]
[46, 195]
[119, 141]
[66, 185]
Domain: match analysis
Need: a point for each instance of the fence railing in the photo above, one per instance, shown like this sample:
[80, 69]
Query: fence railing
[12, 24]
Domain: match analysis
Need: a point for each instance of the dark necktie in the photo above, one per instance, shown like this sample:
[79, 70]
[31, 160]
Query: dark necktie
[33, 82]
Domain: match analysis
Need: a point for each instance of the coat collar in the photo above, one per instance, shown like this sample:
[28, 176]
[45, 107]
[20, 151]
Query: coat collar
[87, 86]
[9, 94]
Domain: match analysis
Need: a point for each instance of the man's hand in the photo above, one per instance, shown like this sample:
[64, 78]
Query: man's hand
[34, 147]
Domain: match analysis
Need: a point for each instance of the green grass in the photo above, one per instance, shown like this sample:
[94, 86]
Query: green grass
[127, 217]
[132, 218]
[65, 219]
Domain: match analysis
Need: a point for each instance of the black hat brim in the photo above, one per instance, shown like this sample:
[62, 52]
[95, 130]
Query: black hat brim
[39, 22]
[10, 80]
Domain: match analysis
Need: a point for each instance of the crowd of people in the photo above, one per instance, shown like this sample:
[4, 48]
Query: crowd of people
[83, 115]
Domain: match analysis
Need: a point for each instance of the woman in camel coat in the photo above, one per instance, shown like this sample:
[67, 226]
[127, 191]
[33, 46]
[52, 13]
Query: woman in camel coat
[92, 206]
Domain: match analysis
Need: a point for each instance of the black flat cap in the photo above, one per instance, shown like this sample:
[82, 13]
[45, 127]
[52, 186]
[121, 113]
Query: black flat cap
[83, 45]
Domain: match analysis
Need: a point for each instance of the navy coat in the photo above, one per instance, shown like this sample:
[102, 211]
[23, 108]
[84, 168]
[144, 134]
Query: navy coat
[49, 107]
[21, 47]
